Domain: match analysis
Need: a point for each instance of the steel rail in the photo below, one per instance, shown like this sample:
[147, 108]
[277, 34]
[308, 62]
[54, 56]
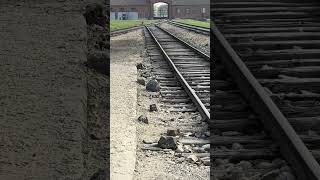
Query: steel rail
[291, 146]
[123, 31]
[127, 30]
[202, 54]
[194, 97]
[198, 29]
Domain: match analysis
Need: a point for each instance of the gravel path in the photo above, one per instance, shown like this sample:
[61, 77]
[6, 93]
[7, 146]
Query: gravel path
[198, 40]
[125, 53]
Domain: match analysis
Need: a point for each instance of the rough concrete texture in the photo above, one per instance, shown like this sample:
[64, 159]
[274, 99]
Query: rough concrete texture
[125, 54]
[43, 90]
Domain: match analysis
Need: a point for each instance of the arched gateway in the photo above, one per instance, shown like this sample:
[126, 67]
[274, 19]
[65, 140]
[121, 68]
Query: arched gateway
[169, 2]
[144, 9]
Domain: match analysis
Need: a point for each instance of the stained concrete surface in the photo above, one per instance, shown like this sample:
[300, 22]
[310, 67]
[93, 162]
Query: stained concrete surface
[43, 106]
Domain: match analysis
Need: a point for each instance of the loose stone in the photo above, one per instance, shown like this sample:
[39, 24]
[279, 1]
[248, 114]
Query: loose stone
[181, 159]
[264, 165]
[143, 119]
[206, 162]
[141, 81]
[237, 146]
[192, 158]
[272, 175]
[206, 147]
[153, 86]
[153, 107]
[245, 164]
[140, 66]
[173, 132]
[187, 148]
[167, 142]
[180, 148]
[286, 176]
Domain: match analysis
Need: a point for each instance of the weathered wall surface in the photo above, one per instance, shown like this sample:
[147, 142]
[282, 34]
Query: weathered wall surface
[43, 91]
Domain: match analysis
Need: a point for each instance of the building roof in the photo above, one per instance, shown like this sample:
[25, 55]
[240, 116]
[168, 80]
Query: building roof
[144, 2]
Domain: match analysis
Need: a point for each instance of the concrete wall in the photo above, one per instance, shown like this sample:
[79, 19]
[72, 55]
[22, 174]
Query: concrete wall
[43, 114]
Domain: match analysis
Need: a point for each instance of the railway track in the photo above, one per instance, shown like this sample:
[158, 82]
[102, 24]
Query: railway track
[184, 76]
[270, 49]
[190, 66]
[202, 30]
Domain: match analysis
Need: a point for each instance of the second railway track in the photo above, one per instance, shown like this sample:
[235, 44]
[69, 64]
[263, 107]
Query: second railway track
[198, 29]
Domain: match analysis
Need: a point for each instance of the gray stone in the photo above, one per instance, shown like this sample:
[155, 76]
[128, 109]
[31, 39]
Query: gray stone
[206, 147]
[198, 150]
[207, 133]
[286, 176]
[153, 107]
[272, 175]
[192, 158]
[245, 164]
[279, 162]
[141, 81]
[181, 159]
[188, 148]
[143, 119]
[285, 168]
[180, 148]
[140, 66]
[148, 141]
[198, 134]
[206, 162]
[153, 86]
[173, 132]
[264, 165]
[219, 162]
[167, 142]
[237, 146]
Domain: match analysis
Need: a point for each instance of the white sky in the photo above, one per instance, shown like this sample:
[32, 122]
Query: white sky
[159, 4]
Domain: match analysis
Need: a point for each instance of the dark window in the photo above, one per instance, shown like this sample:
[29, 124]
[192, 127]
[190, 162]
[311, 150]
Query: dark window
[121, 9]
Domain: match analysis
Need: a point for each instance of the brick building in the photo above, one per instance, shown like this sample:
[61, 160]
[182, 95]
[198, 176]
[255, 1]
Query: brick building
[144, 9]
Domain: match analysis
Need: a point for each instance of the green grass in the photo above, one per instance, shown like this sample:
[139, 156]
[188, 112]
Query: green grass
[124, 24]
[194, 22]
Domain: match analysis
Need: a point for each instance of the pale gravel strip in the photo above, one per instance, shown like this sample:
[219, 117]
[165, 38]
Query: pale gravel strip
[200, 41]
[123, 75]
